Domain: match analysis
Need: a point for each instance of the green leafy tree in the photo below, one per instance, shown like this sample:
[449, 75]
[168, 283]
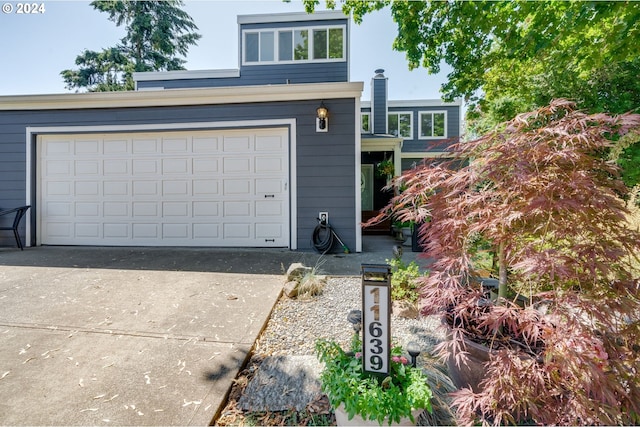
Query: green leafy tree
[508, 57]
[158, 36]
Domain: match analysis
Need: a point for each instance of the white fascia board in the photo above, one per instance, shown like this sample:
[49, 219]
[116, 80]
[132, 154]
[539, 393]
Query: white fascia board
[291, 17]
[177, 97]
[424, 103]
[149, 76]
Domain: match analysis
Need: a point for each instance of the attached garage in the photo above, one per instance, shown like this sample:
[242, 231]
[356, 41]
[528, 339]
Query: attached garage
[194, 188]
[231, 167]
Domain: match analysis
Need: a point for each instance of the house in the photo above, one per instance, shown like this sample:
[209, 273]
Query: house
[226, 158]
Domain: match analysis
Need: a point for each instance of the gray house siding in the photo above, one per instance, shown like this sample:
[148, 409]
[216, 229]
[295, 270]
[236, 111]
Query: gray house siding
[379, 105]
[325, 161]
[262, 75]
[416, 144]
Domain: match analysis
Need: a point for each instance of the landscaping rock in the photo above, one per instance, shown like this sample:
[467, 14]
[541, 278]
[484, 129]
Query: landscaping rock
[290, 289]
[283, 383]
[404, 309]
[296, 272]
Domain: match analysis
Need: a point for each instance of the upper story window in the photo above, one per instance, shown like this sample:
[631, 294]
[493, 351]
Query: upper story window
[433, 124]
[365, 122]
[400, 124]
[293, 45]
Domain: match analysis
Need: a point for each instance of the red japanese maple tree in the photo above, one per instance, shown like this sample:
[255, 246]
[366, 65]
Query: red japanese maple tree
[540, 190]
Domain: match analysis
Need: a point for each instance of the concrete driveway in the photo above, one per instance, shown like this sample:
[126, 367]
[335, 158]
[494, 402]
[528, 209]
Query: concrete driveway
[128, 336]
[136, 336]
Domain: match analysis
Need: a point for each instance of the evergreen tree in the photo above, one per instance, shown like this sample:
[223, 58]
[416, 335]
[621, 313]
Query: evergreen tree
[158, 36]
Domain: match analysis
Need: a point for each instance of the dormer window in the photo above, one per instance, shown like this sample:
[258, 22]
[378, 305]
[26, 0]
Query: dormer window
[317, 44]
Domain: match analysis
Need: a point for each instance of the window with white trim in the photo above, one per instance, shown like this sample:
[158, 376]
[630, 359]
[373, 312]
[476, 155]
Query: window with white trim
[432, 124]
[400, 124]
[317, 44]
[365, 122]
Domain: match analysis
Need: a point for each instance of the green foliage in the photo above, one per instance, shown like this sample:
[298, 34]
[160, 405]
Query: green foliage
[404, 285]
[509, 57]
[158, 34]
[383, 400]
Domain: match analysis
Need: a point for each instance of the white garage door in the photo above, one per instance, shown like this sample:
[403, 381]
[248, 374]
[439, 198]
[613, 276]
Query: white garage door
[197, 188]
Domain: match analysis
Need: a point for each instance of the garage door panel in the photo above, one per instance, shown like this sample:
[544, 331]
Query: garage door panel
[87, 168]
[59, 188]
[237, 231]
[205, 145]
[115, 167]
[233, 210]
[270, 143]
[116, 188]
[83, 229]
[269, 208]
[91, 209]
[115, 146]
[119, 231]
[205, 187]
[177, 209]
[57, 167]
[175, 166]
[175, 145]
[115, 209]
[235, 144]
[145, 188]
[237, 165]
[145, 146]
[209, 231]
[146, 231]
[236, 187]
[268, 165]
[145, 167]
[199, 188]
[175, 231]
[87, 147]
[87, 188]
[54, 209]
[205, 165]
[206, 209]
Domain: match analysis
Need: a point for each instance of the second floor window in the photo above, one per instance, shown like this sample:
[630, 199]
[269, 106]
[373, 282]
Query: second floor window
[433, 124]
[399, 124]
[292, 45]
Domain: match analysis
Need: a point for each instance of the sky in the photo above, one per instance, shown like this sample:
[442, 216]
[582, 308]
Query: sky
[37, 47]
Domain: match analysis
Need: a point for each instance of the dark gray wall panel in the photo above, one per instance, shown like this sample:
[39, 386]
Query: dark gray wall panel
[379, 105]
[325, 161]
[418, 145]
[262, 75]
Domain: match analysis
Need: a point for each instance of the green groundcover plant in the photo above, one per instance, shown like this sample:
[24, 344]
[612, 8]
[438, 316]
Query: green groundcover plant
[382, 399]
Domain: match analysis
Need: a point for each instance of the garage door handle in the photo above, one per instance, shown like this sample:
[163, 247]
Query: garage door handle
[269, 240]
[269, 195]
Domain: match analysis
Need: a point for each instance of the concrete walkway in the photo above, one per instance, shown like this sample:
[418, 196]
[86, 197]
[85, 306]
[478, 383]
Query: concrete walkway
[136, 336]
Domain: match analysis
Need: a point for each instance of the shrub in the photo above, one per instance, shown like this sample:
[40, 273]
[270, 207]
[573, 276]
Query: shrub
[540, 190]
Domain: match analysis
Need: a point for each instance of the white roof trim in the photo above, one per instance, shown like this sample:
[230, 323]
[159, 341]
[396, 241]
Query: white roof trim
[184, 75]
[175, 97]
[291, 17]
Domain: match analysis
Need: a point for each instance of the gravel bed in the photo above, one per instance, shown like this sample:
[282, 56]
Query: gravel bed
[295, 324]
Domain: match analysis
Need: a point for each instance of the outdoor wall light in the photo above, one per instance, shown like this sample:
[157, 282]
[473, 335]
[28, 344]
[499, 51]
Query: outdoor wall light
[322, 119]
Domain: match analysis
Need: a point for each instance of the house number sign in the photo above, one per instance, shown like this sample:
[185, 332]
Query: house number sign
[376, 309]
